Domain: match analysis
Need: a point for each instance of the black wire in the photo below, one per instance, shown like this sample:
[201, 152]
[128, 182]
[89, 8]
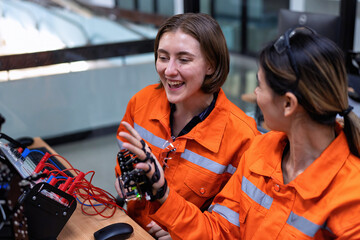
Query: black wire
[11, 140]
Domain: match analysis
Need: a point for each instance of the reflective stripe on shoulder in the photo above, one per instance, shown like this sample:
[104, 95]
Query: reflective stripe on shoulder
[187, 154]
[149, 137]
[256, 194]
[227, 213]
[303, 225]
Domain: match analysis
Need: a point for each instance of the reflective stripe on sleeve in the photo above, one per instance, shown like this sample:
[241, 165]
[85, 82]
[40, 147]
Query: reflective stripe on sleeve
[227, 213]
[302, 224]
[120, 143]
[256, 194]
[231, 169]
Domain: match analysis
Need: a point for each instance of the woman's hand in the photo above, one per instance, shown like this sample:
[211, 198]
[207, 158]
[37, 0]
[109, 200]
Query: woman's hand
[138, 147]
[118, 187]
[157, 232]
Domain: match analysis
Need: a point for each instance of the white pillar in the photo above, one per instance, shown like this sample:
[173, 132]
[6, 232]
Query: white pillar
[297, 5]
[178, 6]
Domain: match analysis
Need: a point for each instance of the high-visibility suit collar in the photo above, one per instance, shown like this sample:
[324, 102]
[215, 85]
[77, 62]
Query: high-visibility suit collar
[330, 161]
[209, 139]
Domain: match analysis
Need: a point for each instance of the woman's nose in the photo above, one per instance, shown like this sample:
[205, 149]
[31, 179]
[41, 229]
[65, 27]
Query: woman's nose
[171, 68]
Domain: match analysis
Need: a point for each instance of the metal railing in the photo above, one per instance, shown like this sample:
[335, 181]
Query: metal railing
[102, 51]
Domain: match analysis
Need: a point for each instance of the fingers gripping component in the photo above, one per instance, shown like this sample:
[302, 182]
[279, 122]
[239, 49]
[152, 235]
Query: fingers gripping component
[156, 176]
[134, 180]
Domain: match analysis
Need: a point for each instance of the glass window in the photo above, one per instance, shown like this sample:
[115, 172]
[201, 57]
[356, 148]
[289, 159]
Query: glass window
[228, 14]
[205, 6]
[165, 7]
[322, 6]
[262, 22]
[127, 4]
[357, 29]
[146, 6]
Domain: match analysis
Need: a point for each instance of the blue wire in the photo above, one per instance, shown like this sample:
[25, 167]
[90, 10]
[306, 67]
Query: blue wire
[61, 177]
[35, 150]
[88, 205]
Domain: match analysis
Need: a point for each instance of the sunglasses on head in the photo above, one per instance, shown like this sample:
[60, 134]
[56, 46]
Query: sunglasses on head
[283, 44]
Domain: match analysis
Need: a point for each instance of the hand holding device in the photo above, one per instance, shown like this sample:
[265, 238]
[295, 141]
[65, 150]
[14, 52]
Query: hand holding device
[145, 164]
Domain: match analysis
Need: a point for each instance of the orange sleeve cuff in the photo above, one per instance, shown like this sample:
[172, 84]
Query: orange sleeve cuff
[167, 213]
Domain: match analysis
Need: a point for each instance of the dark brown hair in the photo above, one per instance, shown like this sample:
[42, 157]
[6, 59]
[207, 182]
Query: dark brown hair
[208, 33]
[322, 86]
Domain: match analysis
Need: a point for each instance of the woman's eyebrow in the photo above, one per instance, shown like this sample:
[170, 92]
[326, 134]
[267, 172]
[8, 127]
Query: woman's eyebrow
[185, 53]
[160, 50]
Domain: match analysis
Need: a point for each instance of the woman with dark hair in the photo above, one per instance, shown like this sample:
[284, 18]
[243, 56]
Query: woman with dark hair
[196, 133]
[299, 181]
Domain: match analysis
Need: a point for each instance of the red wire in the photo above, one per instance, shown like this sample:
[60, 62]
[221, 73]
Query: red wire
[88, 193]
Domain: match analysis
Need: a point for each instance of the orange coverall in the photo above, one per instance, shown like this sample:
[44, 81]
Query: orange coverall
[205, 158]
[323, 202]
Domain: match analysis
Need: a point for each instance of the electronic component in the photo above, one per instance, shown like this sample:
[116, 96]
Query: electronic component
[31, 204]
[38, 194]
[134, 184]
[24, 166]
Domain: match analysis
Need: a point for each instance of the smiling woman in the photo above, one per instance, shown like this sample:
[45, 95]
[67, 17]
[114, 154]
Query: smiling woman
[189, 111]
[182, 69]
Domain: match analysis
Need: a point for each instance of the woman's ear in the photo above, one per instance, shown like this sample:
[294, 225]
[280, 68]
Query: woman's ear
[290, 104]
[210, 69]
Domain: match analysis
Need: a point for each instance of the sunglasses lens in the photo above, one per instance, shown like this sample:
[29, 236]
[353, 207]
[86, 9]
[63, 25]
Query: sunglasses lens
[280, 45]
[303, 30]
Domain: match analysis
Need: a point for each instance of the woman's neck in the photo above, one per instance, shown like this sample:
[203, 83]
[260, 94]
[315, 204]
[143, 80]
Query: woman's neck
[186, 110]
[307, 142]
